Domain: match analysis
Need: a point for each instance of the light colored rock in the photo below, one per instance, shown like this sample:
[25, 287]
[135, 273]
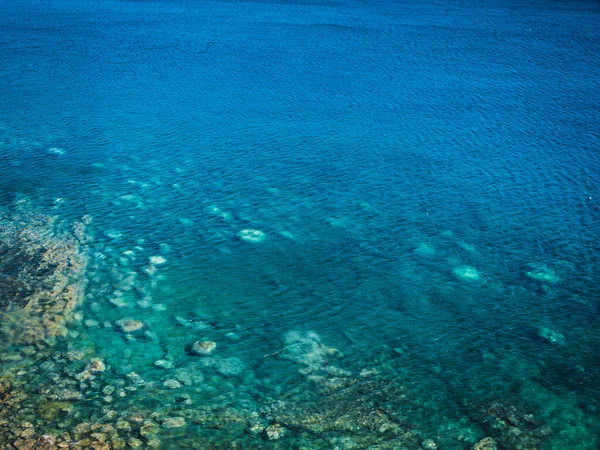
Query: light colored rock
[75, 355]
[253, 236]
[96, 365]
[467, 273]
[113, 234]
[428, 444]
[468, 247]
[149, 428]
[172, 384]
[123, 425]
[173, 422]
[203, 347]
[486, 444]
[553, 337]
[189, 377]
[157, 260]
[129, 325]
[25, 444]
[275, 431]
[425, 250]
[307, 349]
[233, 336]
[165, 364]
[192, 323]
[153, 442]
[134, 443]
[542, 273]
[254, 429]
[183, 321]
[108, 390]
[288, 235]
[215, 211]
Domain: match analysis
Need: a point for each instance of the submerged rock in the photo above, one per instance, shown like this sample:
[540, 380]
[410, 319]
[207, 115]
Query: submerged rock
[307, 349]
[134, 443]
[553, 337]
[275, 431]
[172, 384]
[189, 376]
[96, 365]
[486, 444]
[256, 424]
[192, 323]
[233, 336]
[157, 260]
[467, 273]
[43, 270]
[254, 236]
[288, 235]
[164, 364]
[153, 442]
[542, 273]
[425, 250]
[215, 211]
[56, 151]
[202, 348]
[129, 325]
[173, 422]
[428, 444]
[230, 366]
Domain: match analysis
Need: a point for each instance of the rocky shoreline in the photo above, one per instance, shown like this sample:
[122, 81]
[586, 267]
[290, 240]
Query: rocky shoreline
[54, 396]
[41, 277]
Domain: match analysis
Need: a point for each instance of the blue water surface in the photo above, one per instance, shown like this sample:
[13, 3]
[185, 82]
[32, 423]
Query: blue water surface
[426, 175]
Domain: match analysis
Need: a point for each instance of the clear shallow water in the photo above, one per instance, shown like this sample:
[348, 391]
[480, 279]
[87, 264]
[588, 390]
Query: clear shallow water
[379, 147]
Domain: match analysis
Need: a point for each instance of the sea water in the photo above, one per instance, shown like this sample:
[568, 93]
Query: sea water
[384, 214]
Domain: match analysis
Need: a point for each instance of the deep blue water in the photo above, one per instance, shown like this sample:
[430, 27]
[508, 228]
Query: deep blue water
[380, 146]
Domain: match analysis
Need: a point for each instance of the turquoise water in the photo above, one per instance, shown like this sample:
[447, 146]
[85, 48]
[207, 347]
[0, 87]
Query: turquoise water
[427, 179]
